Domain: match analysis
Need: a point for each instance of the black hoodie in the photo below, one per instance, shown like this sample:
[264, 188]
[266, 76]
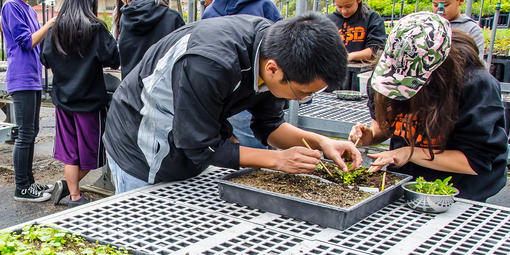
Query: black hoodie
[143, 23]
[360, 31]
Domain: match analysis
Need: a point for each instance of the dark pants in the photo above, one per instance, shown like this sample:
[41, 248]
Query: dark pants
[27, 105]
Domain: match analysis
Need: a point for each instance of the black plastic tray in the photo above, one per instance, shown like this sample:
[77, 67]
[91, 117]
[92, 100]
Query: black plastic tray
[310, 211]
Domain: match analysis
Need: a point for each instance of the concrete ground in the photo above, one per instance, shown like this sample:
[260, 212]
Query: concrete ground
[48, 170]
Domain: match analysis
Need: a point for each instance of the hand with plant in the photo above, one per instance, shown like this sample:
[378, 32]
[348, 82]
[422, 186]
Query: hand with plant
[438, 187]
[352, 177]
[335, 150]
[397, 157]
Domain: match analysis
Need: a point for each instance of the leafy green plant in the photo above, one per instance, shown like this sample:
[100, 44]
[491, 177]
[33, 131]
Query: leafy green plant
[350, 178]
[438, 187]
[501, 42]
[43, 240]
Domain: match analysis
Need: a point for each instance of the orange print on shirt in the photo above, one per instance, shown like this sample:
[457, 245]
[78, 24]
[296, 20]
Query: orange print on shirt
[352, 34]
[400, 124]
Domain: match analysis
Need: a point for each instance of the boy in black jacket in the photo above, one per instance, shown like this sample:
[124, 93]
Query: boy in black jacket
[168, 118]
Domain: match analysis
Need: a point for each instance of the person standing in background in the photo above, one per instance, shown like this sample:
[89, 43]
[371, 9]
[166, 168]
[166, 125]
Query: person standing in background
[462, 22]
[262, 8]
[76, 49]
[361, 29]
[141, 24]
[22, 34]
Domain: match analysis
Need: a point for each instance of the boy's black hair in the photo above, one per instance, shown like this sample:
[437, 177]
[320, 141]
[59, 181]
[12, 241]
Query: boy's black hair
[307, 47]
[74, 28]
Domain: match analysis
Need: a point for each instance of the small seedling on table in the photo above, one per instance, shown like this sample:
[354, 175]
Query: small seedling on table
[350, 178]
[37, 239]
[438, 187]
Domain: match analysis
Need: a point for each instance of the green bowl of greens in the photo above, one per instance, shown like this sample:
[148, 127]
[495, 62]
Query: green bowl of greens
[431, 197]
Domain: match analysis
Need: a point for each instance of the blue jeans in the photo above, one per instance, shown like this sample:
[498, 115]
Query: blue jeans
[123, 181]
[242, 131]
[27, 105]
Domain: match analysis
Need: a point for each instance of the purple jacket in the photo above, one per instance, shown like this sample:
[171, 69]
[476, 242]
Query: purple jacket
[24, 70]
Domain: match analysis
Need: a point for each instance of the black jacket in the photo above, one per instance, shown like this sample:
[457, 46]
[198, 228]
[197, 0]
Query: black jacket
[358, 32]
[168, 118]
[479, 133]
[78, 82]
[142, 24]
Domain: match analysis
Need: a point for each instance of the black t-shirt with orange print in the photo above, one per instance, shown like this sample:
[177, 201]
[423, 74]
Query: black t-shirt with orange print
[359, 33]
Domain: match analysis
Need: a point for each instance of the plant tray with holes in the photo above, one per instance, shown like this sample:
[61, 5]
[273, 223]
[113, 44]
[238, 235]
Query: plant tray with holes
[326, 215]
[52, 240]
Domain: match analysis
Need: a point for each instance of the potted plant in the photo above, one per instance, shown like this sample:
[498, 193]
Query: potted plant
[434, 197]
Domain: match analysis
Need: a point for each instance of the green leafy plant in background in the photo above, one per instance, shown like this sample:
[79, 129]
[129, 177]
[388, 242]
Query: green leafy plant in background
[501, 42]
[43, 240]
[438, 187]
[108, 20]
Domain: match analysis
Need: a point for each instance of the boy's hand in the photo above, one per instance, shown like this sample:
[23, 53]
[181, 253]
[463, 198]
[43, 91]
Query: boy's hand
[297, 160]
[335, 149]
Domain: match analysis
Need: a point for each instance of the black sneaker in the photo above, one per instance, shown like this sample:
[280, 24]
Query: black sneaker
[43, 188]
[30, 195]
[60, 191]
[81, 201]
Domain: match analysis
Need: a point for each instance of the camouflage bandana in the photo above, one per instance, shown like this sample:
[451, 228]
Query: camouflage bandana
[417, 45]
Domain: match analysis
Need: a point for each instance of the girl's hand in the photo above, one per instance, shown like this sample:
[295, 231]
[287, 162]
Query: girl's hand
[363, 133]
[397, 157]
[51, 21]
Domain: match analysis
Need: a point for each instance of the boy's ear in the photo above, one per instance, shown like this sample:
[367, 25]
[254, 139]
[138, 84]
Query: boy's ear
[461, 2]
[272, 66]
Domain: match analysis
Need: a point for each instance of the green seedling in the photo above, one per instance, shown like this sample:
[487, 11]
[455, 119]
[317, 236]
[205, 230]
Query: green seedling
[43, 240]
[350, 178]
[438, 187]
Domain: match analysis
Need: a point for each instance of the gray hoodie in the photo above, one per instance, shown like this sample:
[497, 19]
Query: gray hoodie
[470, 26]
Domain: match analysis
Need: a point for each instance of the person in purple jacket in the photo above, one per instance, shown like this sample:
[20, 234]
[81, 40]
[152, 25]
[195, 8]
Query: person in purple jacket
[23, 34]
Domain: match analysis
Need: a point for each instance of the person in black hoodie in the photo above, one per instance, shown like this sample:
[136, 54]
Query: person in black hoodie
[261, 8]
[361, 29]
[76, 49]
[143, 23]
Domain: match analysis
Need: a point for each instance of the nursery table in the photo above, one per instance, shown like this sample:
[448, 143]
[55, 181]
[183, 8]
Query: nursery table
[331, 116]
[188, 217]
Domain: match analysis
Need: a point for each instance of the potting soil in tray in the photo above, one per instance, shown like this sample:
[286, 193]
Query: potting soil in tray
[303, 187]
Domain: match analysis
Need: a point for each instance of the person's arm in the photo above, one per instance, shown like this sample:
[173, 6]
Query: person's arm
[477, 34]
[200, 86]
[364, 54]
[367, 135]
[453, 161]
[293, 160]
[108, 52]
[288, 136]
[39, 35]
[376, 33]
